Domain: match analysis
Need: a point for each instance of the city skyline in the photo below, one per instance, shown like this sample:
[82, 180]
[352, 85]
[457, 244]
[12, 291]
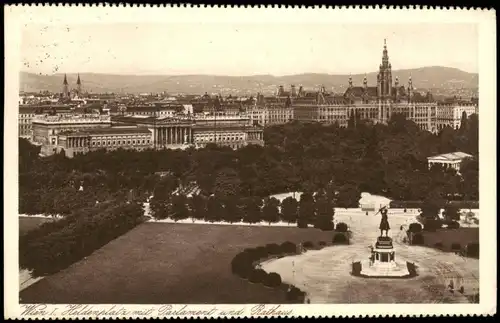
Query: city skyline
[175, 49]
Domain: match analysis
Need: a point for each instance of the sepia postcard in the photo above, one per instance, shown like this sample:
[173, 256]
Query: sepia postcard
[167, 162]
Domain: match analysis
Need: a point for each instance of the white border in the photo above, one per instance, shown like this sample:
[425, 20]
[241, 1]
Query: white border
[15, 16]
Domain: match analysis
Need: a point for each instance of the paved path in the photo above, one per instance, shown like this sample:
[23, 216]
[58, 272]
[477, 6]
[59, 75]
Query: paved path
[325, 274]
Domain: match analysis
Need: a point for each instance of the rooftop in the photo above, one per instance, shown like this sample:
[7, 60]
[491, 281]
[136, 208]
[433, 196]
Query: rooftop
[107, 131]
[451, 156]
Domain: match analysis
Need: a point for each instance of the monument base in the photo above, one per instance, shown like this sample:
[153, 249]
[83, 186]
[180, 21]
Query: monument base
[384, 269]
[382, 262]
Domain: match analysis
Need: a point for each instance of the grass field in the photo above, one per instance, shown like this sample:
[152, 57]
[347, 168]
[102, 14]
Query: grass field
[159, 263]
[28, 223]
[447, 237]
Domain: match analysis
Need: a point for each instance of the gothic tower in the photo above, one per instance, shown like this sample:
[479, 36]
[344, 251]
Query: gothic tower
[79, 86]
[410, 90]
[384, 78]
[65, 91]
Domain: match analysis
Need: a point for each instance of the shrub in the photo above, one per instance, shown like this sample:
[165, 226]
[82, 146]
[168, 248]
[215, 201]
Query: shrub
[242, 265]
[302, 224]
[341, 227]
[308, 245]
[340, 238]
[473, 250]
[418, 239]
[326, 226]
[288, 247]
[456, 247]
[415, 227]
[432, 224]
[261, 252]
[356, 268]
[295, 295]
[453, 225]
[273, 249]
[257, 276]
[438, 245]
[272, 280]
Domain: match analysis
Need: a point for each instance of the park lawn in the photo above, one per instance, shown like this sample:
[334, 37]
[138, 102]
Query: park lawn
[447, 237]
[29, 223]
[158, 263]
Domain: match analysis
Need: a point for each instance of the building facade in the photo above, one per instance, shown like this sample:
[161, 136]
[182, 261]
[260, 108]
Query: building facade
[375, 104]
[84, 141]
[26, 115]
[449, 114]
[450, 160]
[198, 130]
[46, 128]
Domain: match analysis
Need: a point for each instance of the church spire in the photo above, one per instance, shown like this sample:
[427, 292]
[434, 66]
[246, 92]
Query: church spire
[385, 55]
[79, 85]
[65, 90]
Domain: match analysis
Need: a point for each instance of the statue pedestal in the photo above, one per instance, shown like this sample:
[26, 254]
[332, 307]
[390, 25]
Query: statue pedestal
[383, 262]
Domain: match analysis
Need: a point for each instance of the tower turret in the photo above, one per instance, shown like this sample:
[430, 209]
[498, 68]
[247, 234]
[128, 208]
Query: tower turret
[396, 87]
[385, 74]
[350, 80]
[410, 89]
[365, 82]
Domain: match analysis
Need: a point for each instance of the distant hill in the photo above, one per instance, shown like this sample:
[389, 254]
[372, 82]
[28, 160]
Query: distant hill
[435, 77]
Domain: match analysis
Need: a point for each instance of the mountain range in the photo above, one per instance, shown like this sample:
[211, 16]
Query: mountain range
[442, 79]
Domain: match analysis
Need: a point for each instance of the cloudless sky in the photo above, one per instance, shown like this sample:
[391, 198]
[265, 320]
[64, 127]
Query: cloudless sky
[244, 49]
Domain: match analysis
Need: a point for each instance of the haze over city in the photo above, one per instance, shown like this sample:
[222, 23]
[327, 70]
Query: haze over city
[244, 49]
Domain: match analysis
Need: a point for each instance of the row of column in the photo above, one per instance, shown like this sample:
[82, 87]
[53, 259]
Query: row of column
[77, 142]
[173, 135]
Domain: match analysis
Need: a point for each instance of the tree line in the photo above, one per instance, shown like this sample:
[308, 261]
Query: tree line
[390, 160]
[317, 210]
[56, 245]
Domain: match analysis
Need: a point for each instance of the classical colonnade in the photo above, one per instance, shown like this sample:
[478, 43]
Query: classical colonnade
[173, 135]
[77, 142]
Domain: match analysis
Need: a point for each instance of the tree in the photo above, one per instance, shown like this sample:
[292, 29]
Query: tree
[197, 205]
[289, 209]
[179, 207]
[227, 183]
[451, 213]
[159, 208]
[215, 209]
[324, 212]
[430, 210]
[463, 122]
[348, 196]
[270, 211]
[232, 211]
[252, 209]
[307, 212]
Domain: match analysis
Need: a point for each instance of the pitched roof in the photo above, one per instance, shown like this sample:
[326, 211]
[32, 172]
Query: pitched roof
[458, 155]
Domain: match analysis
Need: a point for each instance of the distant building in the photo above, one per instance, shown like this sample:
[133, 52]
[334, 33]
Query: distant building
[84, 141]
[268, 112]
[450, 160]
[26, 114]
[46, 128]
[373, 103]
[449, 114]
[198, 130]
